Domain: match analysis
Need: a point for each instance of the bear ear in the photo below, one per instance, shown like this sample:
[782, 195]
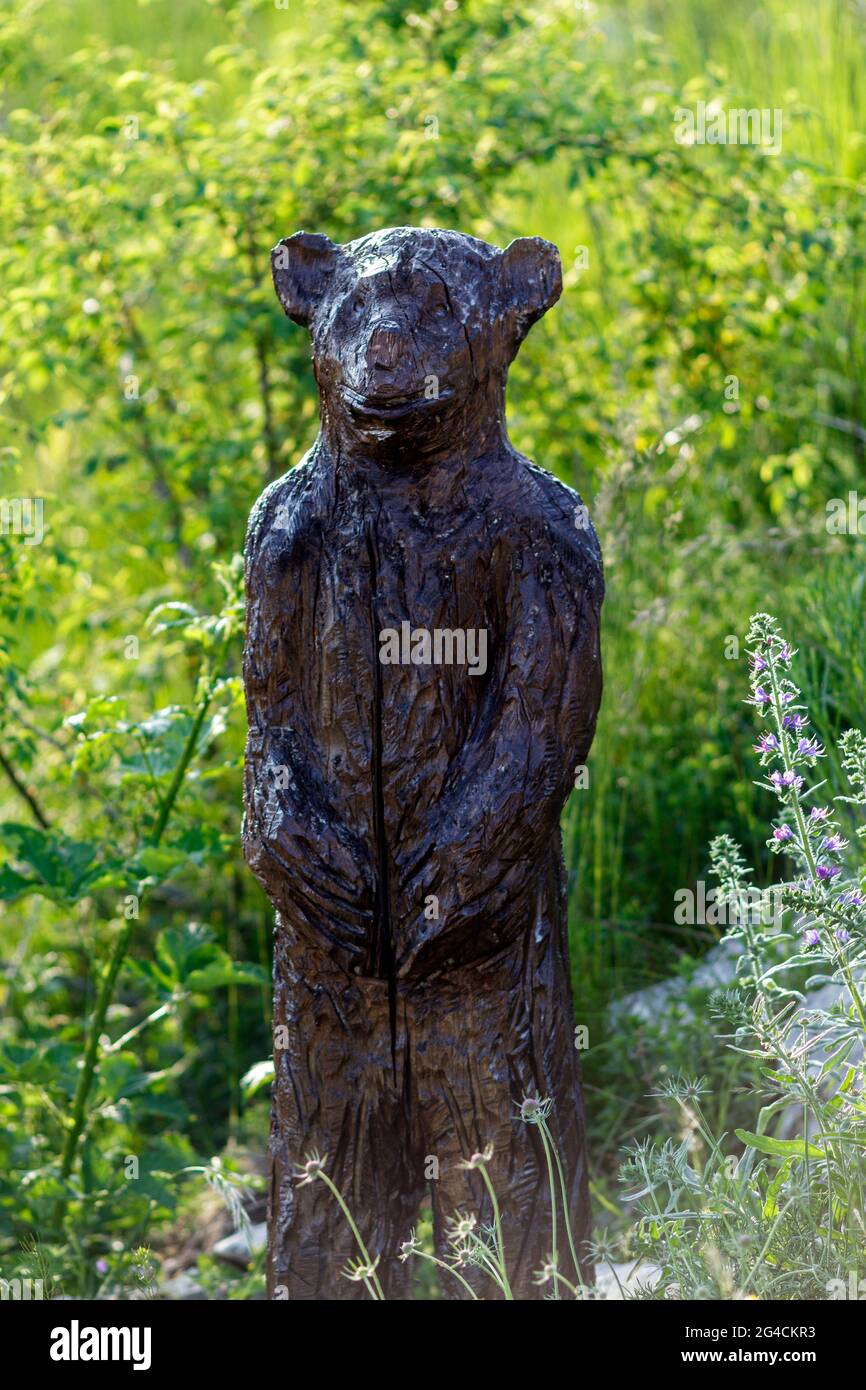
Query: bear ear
[531, 272]
[301, 266]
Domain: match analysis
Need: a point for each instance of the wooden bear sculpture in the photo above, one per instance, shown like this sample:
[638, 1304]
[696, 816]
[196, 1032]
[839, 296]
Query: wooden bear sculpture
[423, 677]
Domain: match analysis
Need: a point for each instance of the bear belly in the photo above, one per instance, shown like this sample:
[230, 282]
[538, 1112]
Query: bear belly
[386, 731]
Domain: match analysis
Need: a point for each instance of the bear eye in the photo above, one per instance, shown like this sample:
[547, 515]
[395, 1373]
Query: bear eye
[440, 309]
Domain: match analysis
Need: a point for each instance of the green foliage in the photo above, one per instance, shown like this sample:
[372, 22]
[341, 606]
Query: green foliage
[783, 1216]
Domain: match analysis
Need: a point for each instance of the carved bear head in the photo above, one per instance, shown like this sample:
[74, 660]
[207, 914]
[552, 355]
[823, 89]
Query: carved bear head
[413, 329]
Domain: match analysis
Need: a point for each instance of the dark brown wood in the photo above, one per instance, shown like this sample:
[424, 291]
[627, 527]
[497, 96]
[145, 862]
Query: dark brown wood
[404, 818]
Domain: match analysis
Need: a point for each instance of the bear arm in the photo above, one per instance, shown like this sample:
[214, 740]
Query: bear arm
[487, 835]
[311, 867]
[307, 864]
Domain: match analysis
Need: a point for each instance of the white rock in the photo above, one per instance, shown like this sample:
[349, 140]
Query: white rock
[182, 1288]
[237, 1250]
[716, 969]
[613, 1283]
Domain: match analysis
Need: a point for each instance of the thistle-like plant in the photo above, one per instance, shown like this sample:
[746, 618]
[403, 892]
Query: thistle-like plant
[830, 904]
[784, 1216]
[473, 1245]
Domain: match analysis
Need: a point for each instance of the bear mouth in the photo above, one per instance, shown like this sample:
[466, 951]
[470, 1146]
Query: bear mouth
[390, 406]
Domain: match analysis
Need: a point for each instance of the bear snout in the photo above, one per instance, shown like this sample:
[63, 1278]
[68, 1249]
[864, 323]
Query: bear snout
[385, 346]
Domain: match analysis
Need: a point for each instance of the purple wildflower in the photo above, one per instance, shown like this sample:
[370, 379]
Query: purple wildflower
[819, 813]
[853, 899]
[758, 662]
[782, 832]
[762, 697]
[794, 722]
[809, 748]
[842, 936]
[767, 743]
[786, 779]
[832, 843]
[828, 871]
[811, 937]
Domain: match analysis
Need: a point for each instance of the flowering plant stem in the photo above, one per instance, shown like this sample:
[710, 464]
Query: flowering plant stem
[497, 1225]
[376, 1290]
[118, 955]
[443, 1264]
[572, 1288]
[797, 807]
[548, 1140]
[554, 1253]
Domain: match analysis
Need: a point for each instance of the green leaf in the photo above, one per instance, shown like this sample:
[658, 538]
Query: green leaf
[157, 862]
[222, 970]
[188, 960]
[779, 1148]
[54, 866]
